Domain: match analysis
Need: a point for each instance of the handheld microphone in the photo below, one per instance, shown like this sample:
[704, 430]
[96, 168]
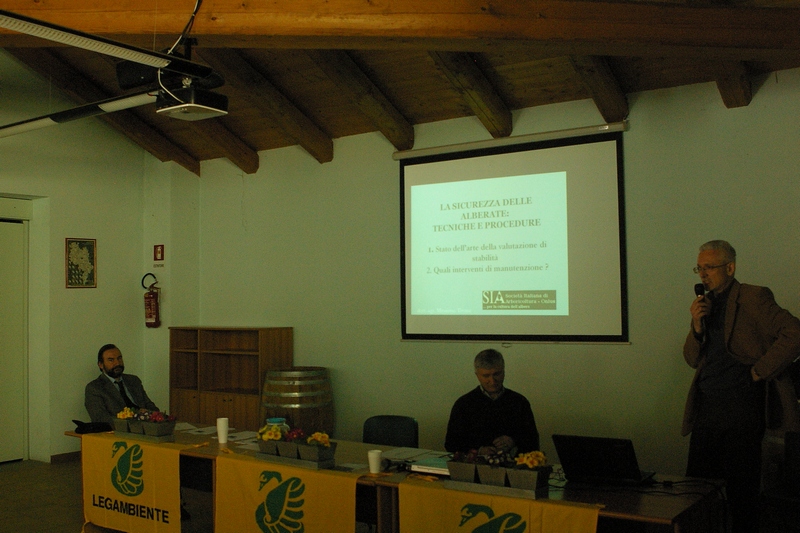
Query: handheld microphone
[699, 290]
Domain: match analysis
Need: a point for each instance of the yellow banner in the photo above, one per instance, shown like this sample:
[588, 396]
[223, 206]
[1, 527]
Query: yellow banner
[269, 497]
[430, 507]
[131, 485]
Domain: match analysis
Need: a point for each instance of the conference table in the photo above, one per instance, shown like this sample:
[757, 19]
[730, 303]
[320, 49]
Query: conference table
[243, 484]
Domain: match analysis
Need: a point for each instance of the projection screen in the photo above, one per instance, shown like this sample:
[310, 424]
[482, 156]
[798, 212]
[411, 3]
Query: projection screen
[517, 243]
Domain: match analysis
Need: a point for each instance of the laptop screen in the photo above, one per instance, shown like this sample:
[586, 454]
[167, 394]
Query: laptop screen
[598, 459]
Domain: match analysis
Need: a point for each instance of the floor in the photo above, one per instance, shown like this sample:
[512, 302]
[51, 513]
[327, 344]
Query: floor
[40, 497]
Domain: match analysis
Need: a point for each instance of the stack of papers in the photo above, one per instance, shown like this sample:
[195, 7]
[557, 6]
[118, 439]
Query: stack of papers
[420, 460]
[432, 465]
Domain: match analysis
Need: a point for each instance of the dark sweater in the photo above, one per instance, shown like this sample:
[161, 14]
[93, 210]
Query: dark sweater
[476, 420]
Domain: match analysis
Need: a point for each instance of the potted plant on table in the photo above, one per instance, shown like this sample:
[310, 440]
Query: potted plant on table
[287, 446]
[462, 466]
[492, 470]
[531, 471]
[136, 423]
[158, 424]
[268, 437]
[318, 447]
[122, 418]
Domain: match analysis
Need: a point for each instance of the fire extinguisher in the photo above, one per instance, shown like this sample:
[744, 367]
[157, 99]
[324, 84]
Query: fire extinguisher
[151, 315]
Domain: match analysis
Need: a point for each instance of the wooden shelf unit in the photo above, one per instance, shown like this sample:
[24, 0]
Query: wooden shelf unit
[218, 372]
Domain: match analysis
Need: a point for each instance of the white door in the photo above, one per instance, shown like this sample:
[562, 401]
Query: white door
[12, 340]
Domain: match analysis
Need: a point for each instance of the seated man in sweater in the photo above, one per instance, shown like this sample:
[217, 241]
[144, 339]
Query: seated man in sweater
[491, 418]
[112, 391]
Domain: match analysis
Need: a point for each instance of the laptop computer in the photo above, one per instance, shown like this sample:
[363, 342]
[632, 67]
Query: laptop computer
[599, 460]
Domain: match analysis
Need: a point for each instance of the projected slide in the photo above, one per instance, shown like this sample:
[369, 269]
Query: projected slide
[516, 243]
[495, 246]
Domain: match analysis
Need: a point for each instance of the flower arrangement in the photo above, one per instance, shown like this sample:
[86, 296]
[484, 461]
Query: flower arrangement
[531, 459]
[319, 438]
[126, 414]
[295, 435]
[317, 448]
[158, 416]
[500, 459]
[143, 415]
[156, 423]
[270, 432]
[466, 457]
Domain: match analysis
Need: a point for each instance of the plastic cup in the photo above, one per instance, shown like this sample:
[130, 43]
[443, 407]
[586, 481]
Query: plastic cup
[222, 430]
[374, 458]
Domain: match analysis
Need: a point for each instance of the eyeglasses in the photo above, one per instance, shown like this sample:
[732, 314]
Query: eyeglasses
[699, 270]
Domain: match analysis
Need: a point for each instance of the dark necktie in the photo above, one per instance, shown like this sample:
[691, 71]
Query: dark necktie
[128, 401]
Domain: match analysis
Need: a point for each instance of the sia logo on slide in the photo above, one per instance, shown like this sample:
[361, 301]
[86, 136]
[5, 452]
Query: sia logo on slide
[524, 300]
[127, 475]
[505, 523]
[282, 508]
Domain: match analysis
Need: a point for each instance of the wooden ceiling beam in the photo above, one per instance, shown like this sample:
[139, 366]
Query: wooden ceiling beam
[579, 27]
[77, 87]
[346, 74]
[465, 76]
[734, 84]
[603, 86]
[264, 95]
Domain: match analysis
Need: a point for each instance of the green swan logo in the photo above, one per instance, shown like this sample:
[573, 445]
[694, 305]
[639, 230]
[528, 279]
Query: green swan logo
[282, 509]
[127, 475]
[505, 523]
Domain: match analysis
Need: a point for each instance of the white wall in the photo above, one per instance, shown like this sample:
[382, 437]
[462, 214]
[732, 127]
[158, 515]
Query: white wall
[170, 218]
[317, 247]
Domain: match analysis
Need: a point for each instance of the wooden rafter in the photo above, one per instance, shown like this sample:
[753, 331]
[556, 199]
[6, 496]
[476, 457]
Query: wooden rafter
[734, 84]
[477, 92]
[264, 95]
[603, 86]
[344, 72]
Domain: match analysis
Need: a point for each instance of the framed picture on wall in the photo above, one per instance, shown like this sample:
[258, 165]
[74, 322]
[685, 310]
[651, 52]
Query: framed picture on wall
[81, 263]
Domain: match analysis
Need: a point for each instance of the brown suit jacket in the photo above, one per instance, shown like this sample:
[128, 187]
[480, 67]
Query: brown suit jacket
[760, 333]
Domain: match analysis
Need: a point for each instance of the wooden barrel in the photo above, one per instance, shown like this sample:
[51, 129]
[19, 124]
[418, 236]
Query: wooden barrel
[302, 395]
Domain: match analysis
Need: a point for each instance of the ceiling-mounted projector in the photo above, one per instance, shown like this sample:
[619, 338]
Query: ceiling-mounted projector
[191, 103]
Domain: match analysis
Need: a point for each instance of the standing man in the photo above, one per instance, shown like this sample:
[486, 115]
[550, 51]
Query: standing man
[491, 418]
[111, 392]
[740, 343]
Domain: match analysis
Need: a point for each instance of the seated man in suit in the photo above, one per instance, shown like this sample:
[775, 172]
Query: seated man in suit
[111, 392]
[491, 418]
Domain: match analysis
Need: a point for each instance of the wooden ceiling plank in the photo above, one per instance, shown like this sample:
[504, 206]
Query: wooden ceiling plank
[78, 88]
[455, 25]
[734, 84]
[603, 86]
[347, 75]
[264, 95]
[478, 93]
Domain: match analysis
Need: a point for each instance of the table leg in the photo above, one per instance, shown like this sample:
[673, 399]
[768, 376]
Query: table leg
[388, 511]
